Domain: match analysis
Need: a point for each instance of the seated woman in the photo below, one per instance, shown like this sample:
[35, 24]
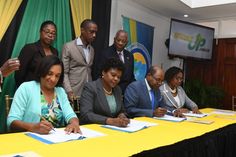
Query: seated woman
[101, 100]
[174, 96]
[40, 105]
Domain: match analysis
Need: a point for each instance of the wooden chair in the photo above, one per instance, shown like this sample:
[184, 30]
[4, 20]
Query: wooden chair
[233, 103]
[8, 101]
[75, 105]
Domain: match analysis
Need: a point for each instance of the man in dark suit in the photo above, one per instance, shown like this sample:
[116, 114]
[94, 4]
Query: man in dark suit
[117, 51]
[143, 97]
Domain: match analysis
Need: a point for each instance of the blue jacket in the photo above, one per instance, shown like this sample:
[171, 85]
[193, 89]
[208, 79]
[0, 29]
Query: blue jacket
[137, 101]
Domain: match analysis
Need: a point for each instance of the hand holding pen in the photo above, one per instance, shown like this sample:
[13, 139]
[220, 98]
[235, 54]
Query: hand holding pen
[43, 127]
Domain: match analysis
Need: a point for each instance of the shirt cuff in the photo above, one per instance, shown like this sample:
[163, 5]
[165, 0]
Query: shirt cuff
[1, 77]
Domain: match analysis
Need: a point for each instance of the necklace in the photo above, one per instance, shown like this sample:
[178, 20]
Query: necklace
[107, 92]
[173, 90]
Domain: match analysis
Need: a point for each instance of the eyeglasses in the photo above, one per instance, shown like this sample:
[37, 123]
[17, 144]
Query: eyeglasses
[158, 80]
[53, 34]
[179, 78]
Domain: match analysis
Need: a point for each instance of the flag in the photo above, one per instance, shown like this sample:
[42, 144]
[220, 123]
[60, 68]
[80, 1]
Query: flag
[140, 44]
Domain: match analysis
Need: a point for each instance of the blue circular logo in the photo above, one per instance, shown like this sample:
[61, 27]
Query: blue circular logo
[142, 60]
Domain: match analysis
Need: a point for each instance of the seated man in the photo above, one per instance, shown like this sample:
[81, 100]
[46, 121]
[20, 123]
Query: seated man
[143, 97]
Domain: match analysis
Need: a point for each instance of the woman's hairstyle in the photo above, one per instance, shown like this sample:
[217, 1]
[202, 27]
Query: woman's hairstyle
[113, 63]
[44, 66]
[171, 72]
[45, 23]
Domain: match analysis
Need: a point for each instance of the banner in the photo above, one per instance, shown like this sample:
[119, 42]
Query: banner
[140, 45]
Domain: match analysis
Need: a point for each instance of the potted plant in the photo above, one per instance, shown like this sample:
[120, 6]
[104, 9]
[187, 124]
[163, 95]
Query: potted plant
[203, 95]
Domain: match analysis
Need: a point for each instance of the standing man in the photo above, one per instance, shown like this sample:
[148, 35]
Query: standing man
[143, 98]
[7, 68]
[77, 56]
[117, 50]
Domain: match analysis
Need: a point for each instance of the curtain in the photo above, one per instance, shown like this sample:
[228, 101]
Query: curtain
[101, 13]
[35, 13]
[81, 9]
[8, 40]
[8, 9]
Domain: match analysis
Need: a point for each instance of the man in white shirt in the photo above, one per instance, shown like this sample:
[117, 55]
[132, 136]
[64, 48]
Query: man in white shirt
[77, 56]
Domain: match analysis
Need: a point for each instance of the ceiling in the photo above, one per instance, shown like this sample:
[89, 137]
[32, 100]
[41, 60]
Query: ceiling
[176, 9]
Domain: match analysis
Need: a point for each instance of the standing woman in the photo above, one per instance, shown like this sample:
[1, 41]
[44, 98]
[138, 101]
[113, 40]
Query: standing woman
[101, 100]
[174, 95]
[32, 53]
[40, 105]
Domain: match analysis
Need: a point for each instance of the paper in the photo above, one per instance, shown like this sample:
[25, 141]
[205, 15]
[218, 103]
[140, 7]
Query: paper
[224, 112]
[59, 135]
[23, 154]
[170, 118]
[225, 117]
[133, 126]
[201, 121]
[191, 114]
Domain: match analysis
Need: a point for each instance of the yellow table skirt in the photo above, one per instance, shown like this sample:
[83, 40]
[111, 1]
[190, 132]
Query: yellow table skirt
[116, 143]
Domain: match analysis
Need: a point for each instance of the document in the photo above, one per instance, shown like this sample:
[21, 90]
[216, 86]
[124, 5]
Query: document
[59, 135]
[171, 118]
[200, 121]
[191, 114]
[224, 112]
[133, 126]
[22, 154]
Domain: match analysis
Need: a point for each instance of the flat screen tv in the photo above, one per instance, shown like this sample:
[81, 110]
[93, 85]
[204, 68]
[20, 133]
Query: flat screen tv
[188, 40]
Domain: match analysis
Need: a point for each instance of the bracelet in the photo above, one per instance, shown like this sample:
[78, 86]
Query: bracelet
[1, 77]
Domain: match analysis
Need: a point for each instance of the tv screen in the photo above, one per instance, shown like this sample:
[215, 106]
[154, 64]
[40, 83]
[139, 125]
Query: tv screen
[190, 40]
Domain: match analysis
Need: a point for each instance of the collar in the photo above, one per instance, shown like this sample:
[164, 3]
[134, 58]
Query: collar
[80, 43]
[148, 87]
[120, 52]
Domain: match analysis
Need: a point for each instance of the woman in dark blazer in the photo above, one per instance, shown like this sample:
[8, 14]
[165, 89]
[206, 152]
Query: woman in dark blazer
[31, 54]
[101, 100]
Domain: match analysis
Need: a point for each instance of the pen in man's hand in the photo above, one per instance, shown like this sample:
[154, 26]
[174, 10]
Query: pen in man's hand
[41, 117]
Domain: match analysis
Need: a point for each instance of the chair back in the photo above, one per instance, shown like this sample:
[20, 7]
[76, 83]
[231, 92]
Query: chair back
[8, 101]
[233, 103]
[75, 105]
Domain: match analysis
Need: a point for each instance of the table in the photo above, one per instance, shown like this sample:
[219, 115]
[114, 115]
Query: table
[166, 139]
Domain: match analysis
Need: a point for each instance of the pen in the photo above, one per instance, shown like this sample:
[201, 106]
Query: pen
[48, 121]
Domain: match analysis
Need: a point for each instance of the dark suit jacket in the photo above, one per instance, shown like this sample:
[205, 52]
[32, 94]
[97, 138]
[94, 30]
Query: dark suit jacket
[94, 107]
[137, 100]
[128, 75]
[30, 56]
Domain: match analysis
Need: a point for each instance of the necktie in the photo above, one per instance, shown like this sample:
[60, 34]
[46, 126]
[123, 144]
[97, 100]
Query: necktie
[120, 56]
[153, 99]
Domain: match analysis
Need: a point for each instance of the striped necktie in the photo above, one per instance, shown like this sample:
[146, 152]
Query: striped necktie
[121, 56]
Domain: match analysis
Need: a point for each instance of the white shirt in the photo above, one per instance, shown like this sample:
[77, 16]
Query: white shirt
[149, 89]
[177, 100]
[86, 50]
